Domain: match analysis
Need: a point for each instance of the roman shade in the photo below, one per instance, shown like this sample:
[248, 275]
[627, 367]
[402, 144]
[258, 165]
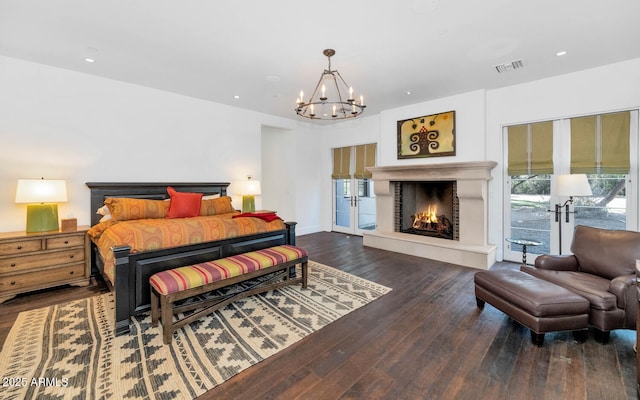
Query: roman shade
[365, 157]
[600, 144]
[341, 163]
[530, 148]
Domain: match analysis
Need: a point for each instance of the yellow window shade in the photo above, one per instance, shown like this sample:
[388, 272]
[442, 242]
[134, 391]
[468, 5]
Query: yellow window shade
[365, 157]
[341, 162]
[600, 144]
[530, 148]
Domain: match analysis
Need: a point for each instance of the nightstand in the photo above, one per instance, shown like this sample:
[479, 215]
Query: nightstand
[32, 261]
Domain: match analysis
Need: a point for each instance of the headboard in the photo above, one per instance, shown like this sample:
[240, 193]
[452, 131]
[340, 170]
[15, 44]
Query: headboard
[146, 190]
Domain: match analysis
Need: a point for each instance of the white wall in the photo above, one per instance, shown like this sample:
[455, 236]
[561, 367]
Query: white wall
[290, 176]
[480, 116]
[382, 129]
[598, 90]
[470, 122]
[56, 123]
[278, 181]
[61, 124]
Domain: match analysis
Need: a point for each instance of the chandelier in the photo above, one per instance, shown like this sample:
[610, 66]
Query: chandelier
[332, 98]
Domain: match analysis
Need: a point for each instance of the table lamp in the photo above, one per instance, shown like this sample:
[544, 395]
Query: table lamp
[251, 189]
[41, 196]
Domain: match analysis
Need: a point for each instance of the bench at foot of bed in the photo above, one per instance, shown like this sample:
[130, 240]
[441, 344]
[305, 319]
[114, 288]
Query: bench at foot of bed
[170, 286]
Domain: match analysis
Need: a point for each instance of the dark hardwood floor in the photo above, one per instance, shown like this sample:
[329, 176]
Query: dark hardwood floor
[426, 339]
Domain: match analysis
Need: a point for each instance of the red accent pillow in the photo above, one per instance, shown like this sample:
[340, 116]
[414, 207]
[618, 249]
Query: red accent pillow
[183, 204]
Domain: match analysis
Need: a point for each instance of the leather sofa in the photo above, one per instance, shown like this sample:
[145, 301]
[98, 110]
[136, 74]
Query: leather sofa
[602, 269]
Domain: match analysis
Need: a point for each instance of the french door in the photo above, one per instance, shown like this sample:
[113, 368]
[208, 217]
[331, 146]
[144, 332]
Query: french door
[531, 193]
[354, 206]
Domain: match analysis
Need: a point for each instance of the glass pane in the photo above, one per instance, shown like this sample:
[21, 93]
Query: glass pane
[607, 208]
[529, 211]
[343, 202]
[366, 205]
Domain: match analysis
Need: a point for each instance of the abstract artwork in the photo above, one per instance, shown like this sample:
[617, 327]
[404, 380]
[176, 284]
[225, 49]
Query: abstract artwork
[428, 136]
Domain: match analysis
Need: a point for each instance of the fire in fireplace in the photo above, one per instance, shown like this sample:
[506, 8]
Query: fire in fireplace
[429, 223]
[427, 208]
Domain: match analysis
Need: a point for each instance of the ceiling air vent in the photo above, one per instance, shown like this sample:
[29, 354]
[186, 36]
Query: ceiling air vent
[517, 64]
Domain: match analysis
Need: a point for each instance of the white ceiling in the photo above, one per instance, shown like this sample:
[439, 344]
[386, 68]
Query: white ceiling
[267, 51]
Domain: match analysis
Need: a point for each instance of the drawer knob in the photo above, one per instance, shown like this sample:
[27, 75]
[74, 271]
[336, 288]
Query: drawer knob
[66, 242]
[13, 283]
[19, 247]
[71, 273]
[71, 256]
[13, 264]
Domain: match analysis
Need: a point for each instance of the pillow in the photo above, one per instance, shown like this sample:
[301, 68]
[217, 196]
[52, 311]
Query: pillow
[125, 208]
[220, 205]
[106, 214]
[183, 204]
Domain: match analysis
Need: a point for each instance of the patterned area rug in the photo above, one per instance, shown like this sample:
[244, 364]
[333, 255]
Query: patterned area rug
[67, 351]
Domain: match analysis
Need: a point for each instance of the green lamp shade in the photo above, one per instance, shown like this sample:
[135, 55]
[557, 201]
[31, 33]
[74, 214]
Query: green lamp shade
[42, 218]
[248, 203]
[42, 197]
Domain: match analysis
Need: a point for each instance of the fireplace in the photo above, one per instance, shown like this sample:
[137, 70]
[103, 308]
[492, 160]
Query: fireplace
[460, 199]
[427, 208]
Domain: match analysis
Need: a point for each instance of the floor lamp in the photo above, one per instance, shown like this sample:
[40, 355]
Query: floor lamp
[569, 185]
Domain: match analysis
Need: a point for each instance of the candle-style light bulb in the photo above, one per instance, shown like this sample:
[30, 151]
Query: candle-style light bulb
[324, 90]
[350, 93]
[301, 96]
[312, 112]
[334, 111]
[361, 100]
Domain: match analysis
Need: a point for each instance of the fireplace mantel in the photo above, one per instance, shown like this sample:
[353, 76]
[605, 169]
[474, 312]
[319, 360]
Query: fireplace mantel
[435, 172]
[472, 248]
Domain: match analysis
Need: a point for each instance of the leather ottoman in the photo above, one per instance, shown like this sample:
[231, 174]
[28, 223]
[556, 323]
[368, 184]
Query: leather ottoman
[537, 304]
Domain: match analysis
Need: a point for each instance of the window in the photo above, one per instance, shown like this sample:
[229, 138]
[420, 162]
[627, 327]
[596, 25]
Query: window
[354, 209]
[607, 208]
[601, 146]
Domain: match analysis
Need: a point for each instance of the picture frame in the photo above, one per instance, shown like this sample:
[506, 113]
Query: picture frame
[427, 136]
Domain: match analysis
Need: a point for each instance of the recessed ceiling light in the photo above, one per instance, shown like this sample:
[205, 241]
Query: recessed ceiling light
[236, 97]
[408, 92]
[89, 60]
[561, 53]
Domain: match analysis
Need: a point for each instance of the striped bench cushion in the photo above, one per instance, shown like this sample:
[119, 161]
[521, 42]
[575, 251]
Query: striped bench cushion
[193, 276]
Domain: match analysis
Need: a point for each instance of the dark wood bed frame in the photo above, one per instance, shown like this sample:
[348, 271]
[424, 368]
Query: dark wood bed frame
[133, 269]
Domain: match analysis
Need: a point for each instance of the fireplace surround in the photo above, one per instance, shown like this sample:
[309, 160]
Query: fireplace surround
[471, 179]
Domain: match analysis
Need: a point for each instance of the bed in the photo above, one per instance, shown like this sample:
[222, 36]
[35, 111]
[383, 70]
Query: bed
[132, 269]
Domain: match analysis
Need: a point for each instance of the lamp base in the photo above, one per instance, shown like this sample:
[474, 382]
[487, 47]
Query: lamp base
[248, 203]
[42, 218]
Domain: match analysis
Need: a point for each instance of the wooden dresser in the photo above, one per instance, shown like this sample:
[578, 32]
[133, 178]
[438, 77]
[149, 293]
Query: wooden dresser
[32, 261]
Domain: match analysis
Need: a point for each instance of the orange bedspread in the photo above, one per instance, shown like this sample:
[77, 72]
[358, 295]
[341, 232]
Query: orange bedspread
[159, 233]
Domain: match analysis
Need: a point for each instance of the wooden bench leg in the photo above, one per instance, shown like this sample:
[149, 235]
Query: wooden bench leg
[166, 309]
[305, 273]
[155, 310]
